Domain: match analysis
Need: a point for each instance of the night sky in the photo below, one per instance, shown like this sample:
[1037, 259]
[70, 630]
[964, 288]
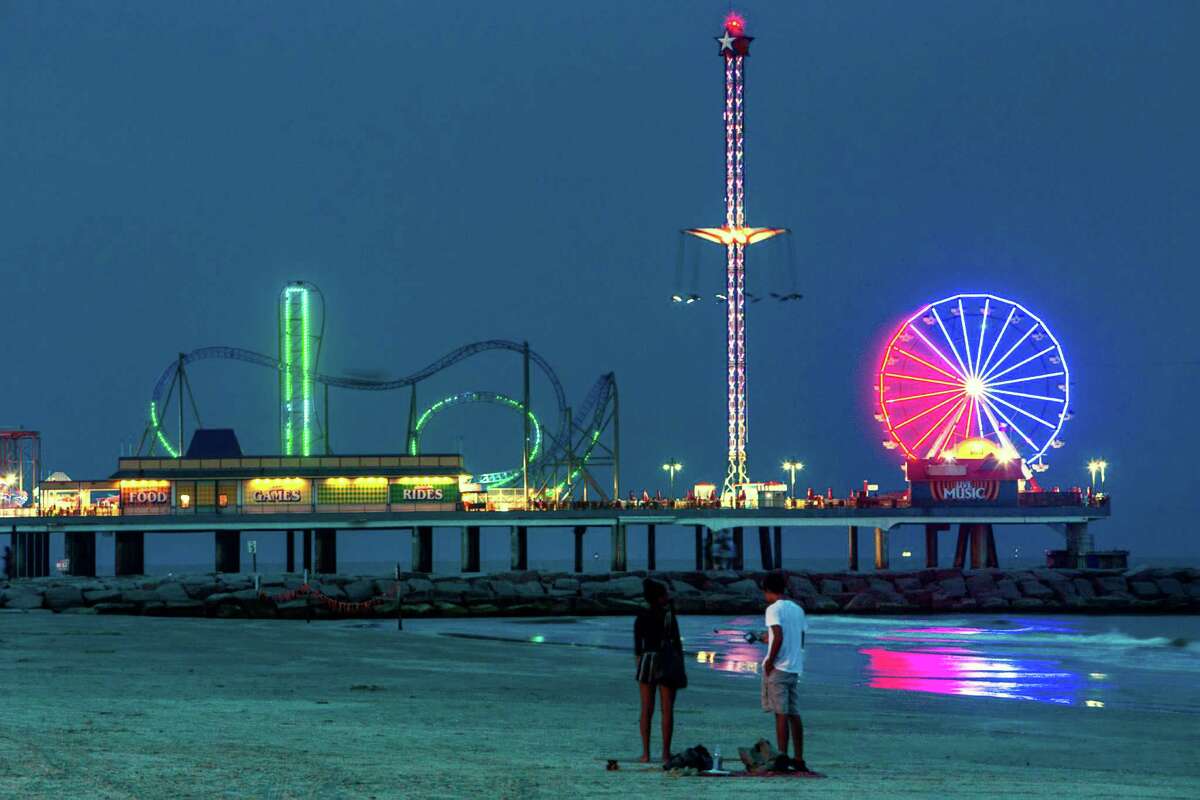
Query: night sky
[455, 171]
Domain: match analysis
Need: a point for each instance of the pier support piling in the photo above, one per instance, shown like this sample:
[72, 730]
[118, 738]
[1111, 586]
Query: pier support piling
[764, 548]
[580, 530]
[620, 551]
[993, 562]
[960, 547]
[326, 555]
[32, 554]
[129, 553]
[931, 543]
[699, 536]
[881, 549]
[778, 561]
[470, 549]
[1079, 543]
[228, 551]
[307, 545]
[978, 545]
[81, 553]
[852, 542]
[290, 555]
[708, 549]
[651, 559]
[422, 549]
[519, 546]
[739, 550]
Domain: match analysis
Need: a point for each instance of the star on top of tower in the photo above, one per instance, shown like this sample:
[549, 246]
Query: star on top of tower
[726, 42]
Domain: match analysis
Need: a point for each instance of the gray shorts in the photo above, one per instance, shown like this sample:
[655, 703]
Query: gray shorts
[781, 692]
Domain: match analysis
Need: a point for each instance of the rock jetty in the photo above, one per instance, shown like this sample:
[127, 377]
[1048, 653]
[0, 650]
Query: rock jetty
[532, 593]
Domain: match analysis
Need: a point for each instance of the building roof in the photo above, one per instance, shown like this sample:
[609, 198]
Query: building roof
[288, 467]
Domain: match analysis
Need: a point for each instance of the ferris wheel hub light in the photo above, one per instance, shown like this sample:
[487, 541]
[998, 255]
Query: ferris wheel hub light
[973, 387]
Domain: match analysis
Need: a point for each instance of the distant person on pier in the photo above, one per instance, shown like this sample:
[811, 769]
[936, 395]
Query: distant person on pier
[8, 565]
[658, 650]
[783, 666]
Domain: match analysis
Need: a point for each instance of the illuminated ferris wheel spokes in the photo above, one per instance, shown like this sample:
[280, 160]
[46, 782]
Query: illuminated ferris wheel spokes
[942, 382]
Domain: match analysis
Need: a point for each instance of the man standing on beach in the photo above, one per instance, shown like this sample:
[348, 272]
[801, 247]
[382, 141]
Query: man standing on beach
[786, 627]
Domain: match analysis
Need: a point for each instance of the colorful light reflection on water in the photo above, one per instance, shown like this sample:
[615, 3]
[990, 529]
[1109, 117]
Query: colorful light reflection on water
[954, 661]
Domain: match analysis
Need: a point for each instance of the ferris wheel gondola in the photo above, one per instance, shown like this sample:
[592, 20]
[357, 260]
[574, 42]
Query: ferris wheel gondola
[974, 365]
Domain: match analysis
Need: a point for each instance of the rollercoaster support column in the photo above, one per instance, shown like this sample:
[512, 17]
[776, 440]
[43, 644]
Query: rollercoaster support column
[306, 544]
[739, 550]
[422, 549]
[326, 547]
[960, 547]
[519, 548]
[290, 556]
[81, 553]
[764, 548]
[932, 529]
[129, 553]
[470, 549]
[228, 547]
[881, 548]
[651, 560]
[620, 552]
[580, 530]
[778, 547]
[699, 534]
[853, 548]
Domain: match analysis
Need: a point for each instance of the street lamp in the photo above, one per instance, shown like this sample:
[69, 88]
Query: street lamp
[671, 467]
[792, 468]
[1094, 466]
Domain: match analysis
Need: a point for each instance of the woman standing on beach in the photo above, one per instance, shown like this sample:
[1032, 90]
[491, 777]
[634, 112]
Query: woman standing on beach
[659, 652]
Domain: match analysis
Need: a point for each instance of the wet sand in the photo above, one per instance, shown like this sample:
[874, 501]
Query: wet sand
[131, 707]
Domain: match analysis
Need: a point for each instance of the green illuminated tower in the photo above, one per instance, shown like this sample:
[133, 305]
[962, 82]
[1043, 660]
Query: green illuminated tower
[301, 328]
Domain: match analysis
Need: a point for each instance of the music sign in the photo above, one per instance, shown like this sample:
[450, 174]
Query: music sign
[965, 491]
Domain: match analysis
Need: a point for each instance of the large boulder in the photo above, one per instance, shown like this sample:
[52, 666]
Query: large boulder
[954, 587]
[1084, 588]
[22, 598]
[59, 597]
[745, 588]
[1170, 587]
[863, 602]
[801, 586]
[628, 586]
[102, 596]
[1110, 584]
[173, 592]
[830, 587]
[200, 589]
[360, 590]
[1037, 589]
[1146, 589]
[140, 596]
[1008, 589]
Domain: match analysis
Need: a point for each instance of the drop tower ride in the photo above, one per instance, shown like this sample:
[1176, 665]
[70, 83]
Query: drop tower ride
[735, 236]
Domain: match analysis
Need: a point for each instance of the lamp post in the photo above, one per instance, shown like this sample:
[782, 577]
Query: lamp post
[671, 467]
[1094, 466]
[792, 468]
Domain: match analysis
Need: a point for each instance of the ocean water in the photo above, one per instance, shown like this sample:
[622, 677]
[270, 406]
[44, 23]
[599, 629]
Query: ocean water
[1146, 663]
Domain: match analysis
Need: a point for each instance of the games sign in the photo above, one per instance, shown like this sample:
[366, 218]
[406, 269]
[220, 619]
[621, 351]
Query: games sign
[276, 491]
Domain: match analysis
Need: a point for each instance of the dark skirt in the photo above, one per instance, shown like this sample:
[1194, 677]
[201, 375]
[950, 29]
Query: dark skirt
[655, 670]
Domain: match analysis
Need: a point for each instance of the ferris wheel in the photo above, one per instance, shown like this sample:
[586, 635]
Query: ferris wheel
[974, 365]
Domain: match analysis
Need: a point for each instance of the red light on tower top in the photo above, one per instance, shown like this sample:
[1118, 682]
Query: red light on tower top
[733, 39]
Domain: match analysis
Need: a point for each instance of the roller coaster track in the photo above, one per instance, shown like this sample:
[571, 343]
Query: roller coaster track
[593, 413]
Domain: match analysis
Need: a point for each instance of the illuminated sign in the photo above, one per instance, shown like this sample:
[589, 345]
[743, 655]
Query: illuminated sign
[965, 491]
[276, 491]
[142, 493]
[436, 489]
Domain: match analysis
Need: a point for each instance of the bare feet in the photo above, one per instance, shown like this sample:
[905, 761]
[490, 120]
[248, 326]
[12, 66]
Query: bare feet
[645, 759]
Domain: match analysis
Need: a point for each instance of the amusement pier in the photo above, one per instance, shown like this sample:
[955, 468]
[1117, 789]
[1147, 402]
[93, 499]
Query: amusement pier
[971, 393]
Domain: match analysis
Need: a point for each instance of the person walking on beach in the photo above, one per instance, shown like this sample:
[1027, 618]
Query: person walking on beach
[658, 649]
[785, 634]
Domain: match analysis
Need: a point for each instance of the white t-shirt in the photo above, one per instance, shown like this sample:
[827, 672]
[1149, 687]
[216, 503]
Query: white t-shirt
[790, 618]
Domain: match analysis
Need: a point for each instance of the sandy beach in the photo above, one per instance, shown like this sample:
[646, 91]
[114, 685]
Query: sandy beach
[128, 707]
